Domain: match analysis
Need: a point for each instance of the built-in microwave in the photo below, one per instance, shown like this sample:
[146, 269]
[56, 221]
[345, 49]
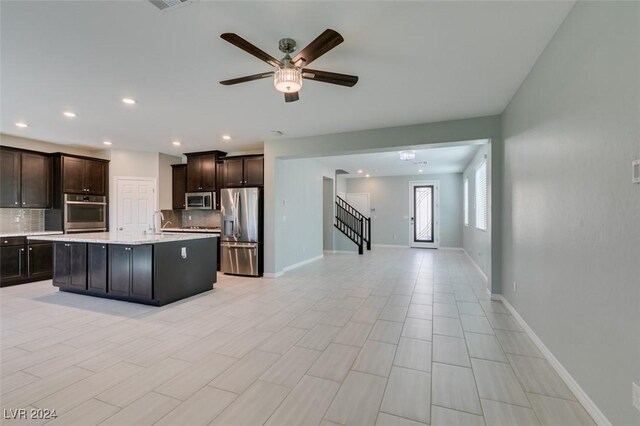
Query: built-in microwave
[200, 200]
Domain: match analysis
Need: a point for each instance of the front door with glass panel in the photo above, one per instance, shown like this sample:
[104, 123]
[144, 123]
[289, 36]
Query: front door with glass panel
[424, 214]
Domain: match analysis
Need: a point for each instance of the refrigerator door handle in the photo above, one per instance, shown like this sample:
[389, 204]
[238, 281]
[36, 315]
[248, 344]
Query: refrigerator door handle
[236, 218]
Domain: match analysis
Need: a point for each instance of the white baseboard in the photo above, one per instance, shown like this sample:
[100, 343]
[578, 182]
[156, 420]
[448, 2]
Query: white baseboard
[451, 248]
[299, 264]
[486, 279]
[272, 274]
[389, 245]
[593, 410]
[340, 252]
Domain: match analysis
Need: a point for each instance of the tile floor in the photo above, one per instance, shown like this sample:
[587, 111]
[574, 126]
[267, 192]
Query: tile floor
[395, 337]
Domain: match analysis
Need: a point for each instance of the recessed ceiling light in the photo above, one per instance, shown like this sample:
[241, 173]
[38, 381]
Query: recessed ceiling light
[359, 171]
[226, 137]
[21, 124]
[106, 142]
[69, 114]
[367, 176]
[176, 143]
[129, 101]
[407, 155]
[420, 170]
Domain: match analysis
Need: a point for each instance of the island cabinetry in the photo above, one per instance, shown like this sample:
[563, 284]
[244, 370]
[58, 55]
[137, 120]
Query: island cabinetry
[70, 265]
[153, 269]
[131, 271]
[97, 268]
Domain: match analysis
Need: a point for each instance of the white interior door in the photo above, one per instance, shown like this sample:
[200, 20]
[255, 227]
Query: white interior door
[424, 214]
[136, 202]
[360, 202]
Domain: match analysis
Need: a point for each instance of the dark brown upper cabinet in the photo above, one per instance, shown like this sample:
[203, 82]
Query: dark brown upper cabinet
[244, 171]
[201, 171]
[26, 179]
[179, 185]
[36, 180]
[84, 176]
[9, 178]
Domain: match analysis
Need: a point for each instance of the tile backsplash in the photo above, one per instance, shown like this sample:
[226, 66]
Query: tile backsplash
[21, 220]
[184, 218]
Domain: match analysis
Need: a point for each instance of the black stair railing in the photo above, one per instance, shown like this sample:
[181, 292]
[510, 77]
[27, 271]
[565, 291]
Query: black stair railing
[353, 224]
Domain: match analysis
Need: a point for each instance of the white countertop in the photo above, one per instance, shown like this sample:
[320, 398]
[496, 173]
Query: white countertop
[192, 230]
[124, 237]
[25, 234]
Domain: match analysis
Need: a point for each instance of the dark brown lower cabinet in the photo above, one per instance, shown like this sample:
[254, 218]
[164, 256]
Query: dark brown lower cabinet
[70, 265]
[23, 262]
[97, 268]
[40, 260]
[131, 271]
[12, 264]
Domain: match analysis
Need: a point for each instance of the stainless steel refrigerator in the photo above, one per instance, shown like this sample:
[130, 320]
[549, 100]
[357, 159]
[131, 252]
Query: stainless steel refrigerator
[241, 233]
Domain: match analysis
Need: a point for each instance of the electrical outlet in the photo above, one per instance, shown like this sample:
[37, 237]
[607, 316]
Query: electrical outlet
[636, 395]
[515, 287]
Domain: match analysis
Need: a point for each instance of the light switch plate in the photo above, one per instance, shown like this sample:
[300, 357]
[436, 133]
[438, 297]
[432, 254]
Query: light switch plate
[183, 252]
[636, 396]
[636, 171]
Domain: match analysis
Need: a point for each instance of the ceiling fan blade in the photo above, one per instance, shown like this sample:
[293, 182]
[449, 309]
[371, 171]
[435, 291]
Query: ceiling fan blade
[243, 44]
[330, 77]
[291, 97]
[318, 47]
[247, 78]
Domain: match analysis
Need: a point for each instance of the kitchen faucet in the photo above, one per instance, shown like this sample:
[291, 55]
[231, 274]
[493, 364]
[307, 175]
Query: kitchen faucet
[153, 219]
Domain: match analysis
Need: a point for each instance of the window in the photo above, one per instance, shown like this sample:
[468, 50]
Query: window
[481, 196]
[466, 201]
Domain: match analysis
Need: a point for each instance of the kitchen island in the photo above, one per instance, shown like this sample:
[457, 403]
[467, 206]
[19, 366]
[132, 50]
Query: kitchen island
[154, 269]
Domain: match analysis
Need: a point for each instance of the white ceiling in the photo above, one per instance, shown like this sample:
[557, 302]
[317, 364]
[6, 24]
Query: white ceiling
[417, 62]
[440, 160]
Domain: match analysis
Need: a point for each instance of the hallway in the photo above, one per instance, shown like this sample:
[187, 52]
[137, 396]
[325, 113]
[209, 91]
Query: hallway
[394, 337]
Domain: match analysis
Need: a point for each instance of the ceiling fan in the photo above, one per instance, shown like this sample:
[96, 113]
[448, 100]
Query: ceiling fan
[289, 72]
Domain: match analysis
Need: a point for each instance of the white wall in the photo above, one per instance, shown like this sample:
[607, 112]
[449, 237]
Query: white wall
[390, 197]
[42, 146]
[477, 243]
[129, 164]
[165, 180]
[571, 213]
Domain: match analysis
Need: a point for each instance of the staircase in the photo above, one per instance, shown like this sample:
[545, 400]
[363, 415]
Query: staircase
[353, 224]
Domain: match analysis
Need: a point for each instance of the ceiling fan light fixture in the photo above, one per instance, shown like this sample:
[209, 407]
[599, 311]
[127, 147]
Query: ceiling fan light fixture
[287, 80]
[407, 155]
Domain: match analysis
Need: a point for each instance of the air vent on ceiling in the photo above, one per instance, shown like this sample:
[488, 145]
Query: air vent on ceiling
[165, 5]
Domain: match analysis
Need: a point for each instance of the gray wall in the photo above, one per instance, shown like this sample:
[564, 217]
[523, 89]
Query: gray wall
[371, 141]
[328, 202]
[477, 243]
[571, 213]
[299, 211]
[389, 195]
